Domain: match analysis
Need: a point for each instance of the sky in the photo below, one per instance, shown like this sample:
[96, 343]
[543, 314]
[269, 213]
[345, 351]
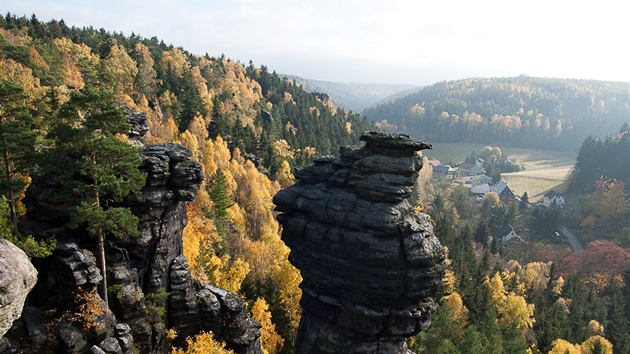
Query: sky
[414, 42]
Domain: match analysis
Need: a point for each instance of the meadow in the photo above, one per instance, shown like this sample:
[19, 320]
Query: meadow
[544, 170]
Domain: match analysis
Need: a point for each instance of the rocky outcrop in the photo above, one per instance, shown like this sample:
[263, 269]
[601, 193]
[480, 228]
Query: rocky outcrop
[369, 261]
[17, 278]
[150, 286]
[138, 128]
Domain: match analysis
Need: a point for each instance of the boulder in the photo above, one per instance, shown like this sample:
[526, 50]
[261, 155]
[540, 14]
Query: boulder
[17, 278]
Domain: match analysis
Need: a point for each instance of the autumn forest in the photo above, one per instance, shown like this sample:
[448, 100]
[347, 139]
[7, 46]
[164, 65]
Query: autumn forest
[249, 128]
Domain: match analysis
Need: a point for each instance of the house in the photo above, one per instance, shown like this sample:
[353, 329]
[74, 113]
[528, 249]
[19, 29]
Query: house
[444, 171]
[485, 179]
[508, 236]
[434, 163]
[480, 162]
[480, 188]
[506, 196]
[553, 198]
[468, 169]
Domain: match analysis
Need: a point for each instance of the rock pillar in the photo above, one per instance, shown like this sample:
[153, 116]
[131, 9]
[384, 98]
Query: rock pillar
[369, 261]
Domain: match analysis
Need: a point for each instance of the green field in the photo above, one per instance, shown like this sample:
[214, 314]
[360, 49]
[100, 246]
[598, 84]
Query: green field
[544, 169]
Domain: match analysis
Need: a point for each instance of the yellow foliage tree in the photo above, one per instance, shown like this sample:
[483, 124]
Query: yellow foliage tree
[72, 54]
[23, 76]
[203, 343]
[16, 37]
[595, 328]
[498, 294]
[285, 177]
[536, 275]
[511, 308]
[176, 60]
[516, 310]
[269, 339]
[289, 279]
[148, 76]
[561, 346]
[123, 68]
[589, 345]
[228, 275]
[458, 310]
[198, 234]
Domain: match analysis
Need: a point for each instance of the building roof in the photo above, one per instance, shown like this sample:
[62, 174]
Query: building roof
[552, 194]
[466, 166]
[480, 188]
[506, 230]
[435, 163]
[502, 189]
[444, 168]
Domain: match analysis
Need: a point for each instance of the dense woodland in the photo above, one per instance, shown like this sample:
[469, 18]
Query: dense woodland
[248, 128]
[527, 112]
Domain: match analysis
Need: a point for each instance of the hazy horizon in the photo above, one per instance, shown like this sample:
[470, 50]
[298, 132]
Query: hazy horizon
[393, 42]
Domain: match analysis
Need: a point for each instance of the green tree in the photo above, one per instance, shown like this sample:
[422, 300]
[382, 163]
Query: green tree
[219, 195]
[17, 142]
[97, 168]
[617, 329]
[524, 201]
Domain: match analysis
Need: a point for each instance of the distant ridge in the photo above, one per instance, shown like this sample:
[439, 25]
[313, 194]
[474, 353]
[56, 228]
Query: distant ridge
[523, 111]
[353, 96]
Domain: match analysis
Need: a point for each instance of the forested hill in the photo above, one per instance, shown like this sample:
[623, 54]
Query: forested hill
[521, 111]
[353, 96]
[252, 108]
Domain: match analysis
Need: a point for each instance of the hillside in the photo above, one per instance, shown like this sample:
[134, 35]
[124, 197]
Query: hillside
[351, 95]
[243, 129]
[521, 111]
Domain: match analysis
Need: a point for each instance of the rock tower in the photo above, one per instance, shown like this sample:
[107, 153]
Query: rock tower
[369, 261]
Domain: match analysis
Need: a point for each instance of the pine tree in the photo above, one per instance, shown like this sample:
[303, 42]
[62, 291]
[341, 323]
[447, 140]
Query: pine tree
[96, 167]
[524, 201]
[618, 324]
[17, 141]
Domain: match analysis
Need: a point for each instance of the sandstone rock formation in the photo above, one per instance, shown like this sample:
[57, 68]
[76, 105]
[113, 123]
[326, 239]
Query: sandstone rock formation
[17, 278]
[369, 261]
[151, 289]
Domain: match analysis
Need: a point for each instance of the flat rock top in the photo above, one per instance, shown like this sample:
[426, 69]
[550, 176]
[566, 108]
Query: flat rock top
[396, 141]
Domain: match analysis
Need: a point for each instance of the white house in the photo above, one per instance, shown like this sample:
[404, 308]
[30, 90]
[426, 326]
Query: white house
[467, 169]
[480, 188]
[444, 171]
[552, 197]
[508, 236]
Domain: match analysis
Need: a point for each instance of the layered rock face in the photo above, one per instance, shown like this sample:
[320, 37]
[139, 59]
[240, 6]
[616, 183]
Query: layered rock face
[151, 289]
[369, 261]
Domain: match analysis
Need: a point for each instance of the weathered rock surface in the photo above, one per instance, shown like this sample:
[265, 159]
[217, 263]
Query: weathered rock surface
[17, 278]
[151, 289]
[369, 261]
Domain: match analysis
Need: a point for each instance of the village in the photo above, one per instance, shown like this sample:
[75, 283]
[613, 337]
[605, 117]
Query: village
[479, 184]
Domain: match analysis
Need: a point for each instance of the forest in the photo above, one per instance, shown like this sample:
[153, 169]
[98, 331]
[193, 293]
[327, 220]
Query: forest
[248, 128]
[528, 112]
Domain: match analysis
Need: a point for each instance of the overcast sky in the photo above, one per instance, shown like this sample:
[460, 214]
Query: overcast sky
[394, 41]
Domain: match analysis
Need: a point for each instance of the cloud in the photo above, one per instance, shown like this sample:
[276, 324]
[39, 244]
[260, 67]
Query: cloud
[375, 40]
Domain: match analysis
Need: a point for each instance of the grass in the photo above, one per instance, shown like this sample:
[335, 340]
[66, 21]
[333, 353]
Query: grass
[544, 169]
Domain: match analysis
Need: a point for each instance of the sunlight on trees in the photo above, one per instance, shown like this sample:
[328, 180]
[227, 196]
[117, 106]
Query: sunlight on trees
[203, 343]
[270, 340]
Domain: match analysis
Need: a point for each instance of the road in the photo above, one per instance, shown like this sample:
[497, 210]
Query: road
[574, 242]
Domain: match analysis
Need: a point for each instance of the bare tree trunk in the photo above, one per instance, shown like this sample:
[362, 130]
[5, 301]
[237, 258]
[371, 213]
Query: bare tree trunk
[100, 246]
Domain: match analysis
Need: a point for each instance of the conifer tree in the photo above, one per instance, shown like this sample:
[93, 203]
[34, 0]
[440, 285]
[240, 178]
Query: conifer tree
[97, 168]
[17, 141]
[618, 325]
